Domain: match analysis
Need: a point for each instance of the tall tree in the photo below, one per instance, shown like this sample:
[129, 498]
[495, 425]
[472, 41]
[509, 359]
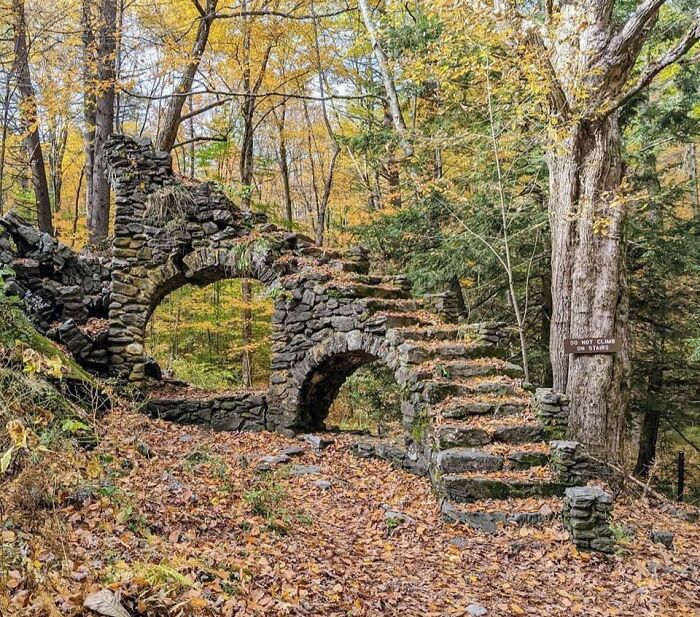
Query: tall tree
[99, 73]
[167, 134]
[30, 118]
[590, 63]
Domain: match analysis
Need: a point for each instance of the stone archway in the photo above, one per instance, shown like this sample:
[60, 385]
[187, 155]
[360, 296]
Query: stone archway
[328, 365]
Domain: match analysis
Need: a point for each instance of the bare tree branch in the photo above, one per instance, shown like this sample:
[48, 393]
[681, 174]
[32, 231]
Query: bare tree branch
[270, 13]
[635, 25]
[271, 93]
[201, 110]
[674, 54]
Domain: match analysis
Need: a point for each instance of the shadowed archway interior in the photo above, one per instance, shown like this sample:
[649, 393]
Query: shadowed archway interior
[323, 384]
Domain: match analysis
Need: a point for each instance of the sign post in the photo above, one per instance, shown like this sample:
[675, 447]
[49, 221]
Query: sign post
[592, 345]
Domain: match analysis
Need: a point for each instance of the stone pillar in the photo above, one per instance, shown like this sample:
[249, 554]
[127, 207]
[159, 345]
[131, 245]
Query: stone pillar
[587, 511]
[569, 462]
[552, 408]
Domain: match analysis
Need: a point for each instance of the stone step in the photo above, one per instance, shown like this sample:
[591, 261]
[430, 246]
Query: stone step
[407, 305]
[442, 332]
[461, 369]
[435, 391]
[418, 352]
[467, 487]
[380, 322]
[472, 434]
[361, 290]
[521, 456]
[491, 516]
[461, 460]
[458, 408]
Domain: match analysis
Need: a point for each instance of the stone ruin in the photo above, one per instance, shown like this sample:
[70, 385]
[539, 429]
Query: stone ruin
[467, 422]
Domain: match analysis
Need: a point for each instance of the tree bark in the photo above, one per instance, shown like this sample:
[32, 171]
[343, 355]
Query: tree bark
[30, 118]
[167, 134]
[589, 288]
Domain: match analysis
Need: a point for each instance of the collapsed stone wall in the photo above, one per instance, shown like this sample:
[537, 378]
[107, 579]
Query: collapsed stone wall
[65, 294]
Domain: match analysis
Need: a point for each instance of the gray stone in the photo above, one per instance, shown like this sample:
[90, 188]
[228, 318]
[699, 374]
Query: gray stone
[662, 537]
[267, 463]
[306, 470]
[476, 610]
[293, 451]
[316, 441]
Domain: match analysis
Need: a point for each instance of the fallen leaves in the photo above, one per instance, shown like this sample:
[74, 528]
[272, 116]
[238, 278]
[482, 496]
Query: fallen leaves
[175, 534]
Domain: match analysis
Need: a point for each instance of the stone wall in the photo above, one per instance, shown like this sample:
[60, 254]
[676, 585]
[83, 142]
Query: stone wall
[330, 317]
[65, 294]
[244, 411]
[570, 463]
[552, 409]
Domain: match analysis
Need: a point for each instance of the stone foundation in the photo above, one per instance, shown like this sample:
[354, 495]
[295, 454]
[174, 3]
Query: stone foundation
[586, 514]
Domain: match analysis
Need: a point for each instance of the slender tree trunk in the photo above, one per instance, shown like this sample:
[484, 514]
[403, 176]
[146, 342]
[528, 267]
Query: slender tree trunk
[30, 118]
[104, 119]
[57, 151]
[247, 333]
[3, 145]
[649, 432]
[691, 162]
[167, 132]
[391, 167]
[284, 167]
[589, 287]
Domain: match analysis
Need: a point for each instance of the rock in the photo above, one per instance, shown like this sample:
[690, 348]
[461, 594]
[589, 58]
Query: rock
[305, 470]
[293, 451]
[144, 449]
[315, 441]
[267, 463]
[476, 610]
[662, 537]
[323, 485]
[395, 518]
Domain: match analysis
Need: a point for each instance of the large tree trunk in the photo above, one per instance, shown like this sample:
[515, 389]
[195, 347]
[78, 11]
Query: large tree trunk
[30, 119]
[589, 294]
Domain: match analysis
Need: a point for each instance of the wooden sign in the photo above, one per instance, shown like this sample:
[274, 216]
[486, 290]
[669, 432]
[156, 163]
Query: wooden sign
[591, 345]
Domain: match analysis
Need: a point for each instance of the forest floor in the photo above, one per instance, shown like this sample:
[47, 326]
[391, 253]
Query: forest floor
[177, 521]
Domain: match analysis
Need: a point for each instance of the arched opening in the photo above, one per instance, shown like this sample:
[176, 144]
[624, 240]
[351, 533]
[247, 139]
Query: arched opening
[368, 402]
[215, 337]
[350, 390]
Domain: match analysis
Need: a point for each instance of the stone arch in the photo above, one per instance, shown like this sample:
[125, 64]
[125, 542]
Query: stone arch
[317, 380]
[203, 267]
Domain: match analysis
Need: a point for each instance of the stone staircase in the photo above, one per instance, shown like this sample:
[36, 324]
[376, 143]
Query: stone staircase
[485, 451]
